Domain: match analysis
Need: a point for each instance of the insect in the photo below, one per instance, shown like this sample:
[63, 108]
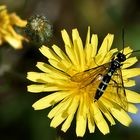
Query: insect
[115, 65]
[106, 75]
[103, 76]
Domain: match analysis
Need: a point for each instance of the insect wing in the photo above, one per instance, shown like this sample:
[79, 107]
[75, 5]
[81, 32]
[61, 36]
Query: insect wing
[91, 75]
[118, 90]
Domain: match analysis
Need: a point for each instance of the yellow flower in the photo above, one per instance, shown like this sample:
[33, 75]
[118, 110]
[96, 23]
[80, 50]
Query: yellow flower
[7, 32]
[72, 94]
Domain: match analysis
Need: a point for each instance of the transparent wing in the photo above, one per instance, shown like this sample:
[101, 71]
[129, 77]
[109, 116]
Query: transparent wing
[91, 75]
[118, 90]
[95, 75]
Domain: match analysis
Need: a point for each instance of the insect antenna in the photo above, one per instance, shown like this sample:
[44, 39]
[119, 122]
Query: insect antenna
[132, 52]
[123, 40]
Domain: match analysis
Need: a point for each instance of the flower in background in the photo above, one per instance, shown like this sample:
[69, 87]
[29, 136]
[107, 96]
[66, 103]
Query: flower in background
[7, 32]
[39, 30]
[69, 78]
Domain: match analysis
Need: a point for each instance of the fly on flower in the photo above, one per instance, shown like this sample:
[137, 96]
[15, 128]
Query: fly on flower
[76, 79]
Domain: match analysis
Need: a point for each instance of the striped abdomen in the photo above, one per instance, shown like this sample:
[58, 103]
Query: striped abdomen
[115, 64]
[103, 85]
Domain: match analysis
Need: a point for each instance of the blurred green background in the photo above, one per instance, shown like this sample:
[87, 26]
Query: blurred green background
[18, 120]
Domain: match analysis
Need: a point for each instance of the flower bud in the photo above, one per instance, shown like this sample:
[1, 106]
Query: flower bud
[39, 30]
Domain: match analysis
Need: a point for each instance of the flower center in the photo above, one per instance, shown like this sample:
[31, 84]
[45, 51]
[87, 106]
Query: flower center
[86, 83]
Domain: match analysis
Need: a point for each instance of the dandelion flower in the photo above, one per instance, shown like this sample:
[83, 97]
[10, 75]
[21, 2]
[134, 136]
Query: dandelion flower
[7, 32]
[72, 95]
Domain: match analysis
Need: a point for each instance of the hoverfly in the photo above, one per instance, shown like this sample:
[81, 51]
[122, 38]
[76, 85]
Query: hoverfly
[107, 75]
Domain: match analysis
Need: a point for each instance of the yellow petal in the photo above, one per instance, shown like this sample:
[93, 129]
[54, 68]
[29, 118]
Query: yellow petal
[66, 38]
[87, 46]
[76, 53]
[132, 96]
[91, 49]
[109, 56]
[88, 51]
[50, 100]
[15, 20]
[117, 112]
[129, 83]
[128, 73]
[88, 37]
[47, 78]
[91, 124]
[13, 42]
[105, 47]
[127, 51]
[56, 121]
[78, 48]
[106, 112]
[59, 108]
[49, 53]
[129, 62]
[99, 120]
[132, 108]
[59, 65]
[75, 34]
[51, 70]
[71, 54]
[81, 119]
[71, 111]
[61, 115]
[107, 43]
[39, 77]
[121, 116]
[60, 53]
[44, 88]
[94, 44]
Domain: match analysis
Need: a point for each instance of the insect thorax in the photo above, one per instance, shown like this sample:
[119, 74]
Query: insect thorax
[115, 64]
